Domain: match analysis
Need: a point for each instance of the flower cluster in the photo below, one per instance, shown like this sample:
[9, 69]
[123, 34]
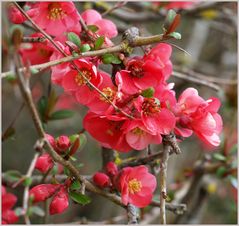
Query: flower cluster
[135, 184]
[8, 201]
[60, 200]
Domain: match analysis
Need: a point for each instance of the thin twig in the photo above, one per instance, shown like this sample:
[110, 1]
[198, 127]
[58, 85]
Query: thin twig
[26, 189]
[163, 181]
[116, 6]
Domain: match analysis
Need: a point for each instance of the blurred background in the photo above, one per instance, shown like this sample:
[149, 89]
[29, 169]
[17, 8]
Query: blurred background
[206, 52]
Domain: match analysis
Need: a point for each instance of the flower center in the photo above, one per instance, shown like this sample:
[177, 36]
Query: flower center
[110, 93]
[136, 68]
[55, 12]
[79, 78]
[150, 106]
[138, 131]
[134, 186]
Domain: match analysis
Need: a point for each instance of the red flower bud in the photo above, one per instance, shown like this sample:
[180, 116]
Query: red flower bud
[15, 15]
[60, 202]
[111, 169]
[101, 180]
[51, 140]
[43, 191]
[44, 163]
[62, 143]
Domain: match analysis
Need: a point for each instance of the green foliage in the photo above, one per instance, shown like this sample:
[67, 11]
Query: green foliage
[73, 37]
[109, 58]
[79, 198]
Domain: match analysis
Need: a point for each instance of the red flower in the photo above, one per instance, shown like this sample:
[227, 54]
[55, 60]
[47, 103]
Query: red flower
[44, 163]
[110, 135]
[111, 169]
[62, 143]
[156, 119]
[101, 179]
[43, 191]
[150, 71]
[51, 140]
[60, 202]
[8, 201]
[136, 185]
[36, 53]
[105, 27]
[74, 82]
[15, 15]
[200, 116]
[55, 17]
[60, 70]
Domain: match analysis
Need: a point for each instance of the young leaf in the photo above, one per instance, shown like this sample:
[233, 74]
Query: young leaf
[109, 58]
[27, 181]
[148, 92]
[85, 48]
[61, 114]
[83, 140]
[219, 157]
[37, 211]
[221, 171]
[79, 198]
[73, 37]
[13, 175]
[42, 106]
[75, 185]
[175, 35]
[99, 42]
[93, 28]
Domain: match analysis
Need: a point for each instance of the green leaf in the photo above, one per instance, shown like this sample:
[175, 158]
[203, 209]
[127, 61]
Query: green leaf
[233, 181]
[11, 78]
[27, 181]
[61, 114]
[109, 58]
[83, 140]
[169, 18]
[148, 92]
[67, 171]
[73, 137]
[37, 211]
[75, 185]
[19, 211]
[93, 28]
[175, 35]
[42, 106]
[219, 157]
[34, 70]
[13, 175]
[99, 42]
[85, 48]
[73, 37]
[79, 198]
[221, 171]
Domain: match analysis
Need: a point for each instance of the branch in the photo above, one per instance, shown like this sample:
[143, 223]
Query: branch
[132, 214]
[163, 181]
[178, 209]
[26, 189]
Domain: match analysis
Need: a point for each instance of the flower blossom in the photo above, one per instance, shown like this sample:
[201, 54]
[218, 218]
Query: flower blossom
[136, 185]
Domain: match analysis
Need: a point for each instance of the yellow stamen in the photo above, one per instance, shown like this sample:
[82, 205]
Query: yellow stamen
[134, 186]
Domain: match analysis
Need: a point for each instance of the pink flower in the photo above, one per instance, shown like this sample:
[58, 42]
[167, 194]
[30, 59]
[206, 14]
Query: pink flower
[200, 116]
[111, 169]
[8, 201]
[110, 135]
[62, 143]
[15, 15]
[74, 82]
[150, 71]
[105, 27]
[55, 17]
[60, 202]
[51, 140]
[44, 163]
[43, 191]
[136, 185]
[36, 53]
[138, 136]
[101, 180]
[60, 70]
[156, 119]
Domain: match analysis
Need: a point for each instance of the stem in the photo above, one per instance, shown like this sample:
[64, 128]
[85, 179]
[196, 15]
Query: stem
[132, 214]
[163, 181]
[26, 190]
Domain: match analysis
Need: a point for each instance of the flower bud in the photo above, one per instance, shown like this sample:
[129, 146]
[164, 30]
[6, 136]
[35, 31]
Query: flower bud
[43, 191]
[15, 16]
[44, 163]
[101, 180]
[51, 140]
[60, 202]
[62, 143]
[111, 169]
